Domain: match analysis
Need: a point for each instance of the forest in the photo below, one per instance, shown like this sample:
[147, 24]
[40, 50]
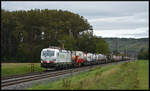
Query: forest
[25, 33]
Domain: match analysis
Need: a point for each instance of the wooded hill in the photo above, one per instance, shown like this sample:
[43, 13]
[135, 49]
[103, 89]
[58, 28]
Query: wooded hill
[25, 33]
[131, 45]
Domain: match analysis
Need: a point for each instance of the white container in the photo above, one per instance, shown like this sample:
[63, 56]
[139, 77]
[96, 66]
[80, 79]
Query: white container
[89, 56]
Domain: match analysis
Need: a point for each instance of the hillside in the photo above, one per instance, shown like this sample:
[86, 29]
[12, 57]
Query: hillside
[133, 46]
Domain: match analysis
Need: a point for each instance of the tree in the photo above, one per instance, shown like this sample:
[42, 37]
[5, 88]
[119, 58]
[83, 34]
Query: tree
[22, 31]
[143, 54]
[69, 42]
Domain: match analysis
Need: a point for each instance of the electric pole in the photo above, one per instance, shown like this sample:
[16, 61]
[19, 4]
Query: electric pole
[116, 46]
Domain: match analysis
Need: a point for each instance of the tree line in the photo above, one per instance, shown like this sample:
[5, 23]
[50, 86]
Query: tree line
[25, 33]
[143, 54]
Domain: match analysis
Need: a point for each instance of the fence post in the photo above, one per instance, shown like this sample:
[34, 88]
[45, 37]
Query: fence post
[32, 67]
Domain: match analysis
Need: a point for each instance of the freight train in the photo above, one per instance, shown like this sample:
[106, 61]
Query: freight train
[56, 58]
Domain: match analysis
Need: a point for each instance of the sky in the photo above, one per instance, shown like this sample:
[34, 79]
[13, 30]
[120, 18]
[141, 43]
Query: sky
[123, 19]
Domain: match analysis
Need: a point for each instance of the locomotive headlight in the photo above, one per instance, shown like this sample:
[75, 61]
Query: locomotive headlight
[42, 61]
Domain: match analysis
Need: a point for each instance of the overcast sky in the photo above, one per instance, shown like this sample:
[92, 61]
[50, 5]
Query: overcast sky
[109, 19]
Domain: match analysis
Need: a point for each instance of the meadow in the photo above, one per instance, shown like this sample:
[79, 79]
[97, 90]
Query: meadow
[124, 76]
[9, 69]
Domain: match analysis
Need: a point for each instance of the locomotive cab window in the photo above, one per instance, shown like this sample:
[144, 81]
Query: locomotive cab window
[57, 54]
[48, 53]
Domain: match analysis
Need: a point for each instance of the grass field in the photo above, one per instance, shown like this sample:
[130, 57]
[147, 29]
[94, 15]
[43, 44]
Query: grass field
[130, 76]
[8, 69]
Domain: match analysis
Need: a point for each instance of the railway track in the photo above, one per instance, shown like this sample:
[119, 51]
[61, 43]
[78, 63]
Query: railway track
[21, 75]
[14, 81]
[31, 78]
[26, 74]
[43, 75]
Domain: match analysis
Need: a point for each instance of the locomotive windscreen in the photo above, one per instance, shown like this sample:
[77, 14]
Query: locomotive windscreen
[48, 53]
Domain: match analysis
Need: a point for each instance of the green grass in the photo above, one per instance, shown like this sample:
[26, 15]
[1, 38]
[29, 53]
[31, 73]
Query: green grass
[9, 69]
[131, 76]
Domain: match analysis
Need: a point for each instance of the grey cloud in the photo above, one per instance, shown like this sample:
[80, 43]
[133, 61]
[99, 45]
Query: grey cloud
[122, 22]
[136, 11]
[87, 9]
[137, 34]
[110, 26]
[90, 8]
